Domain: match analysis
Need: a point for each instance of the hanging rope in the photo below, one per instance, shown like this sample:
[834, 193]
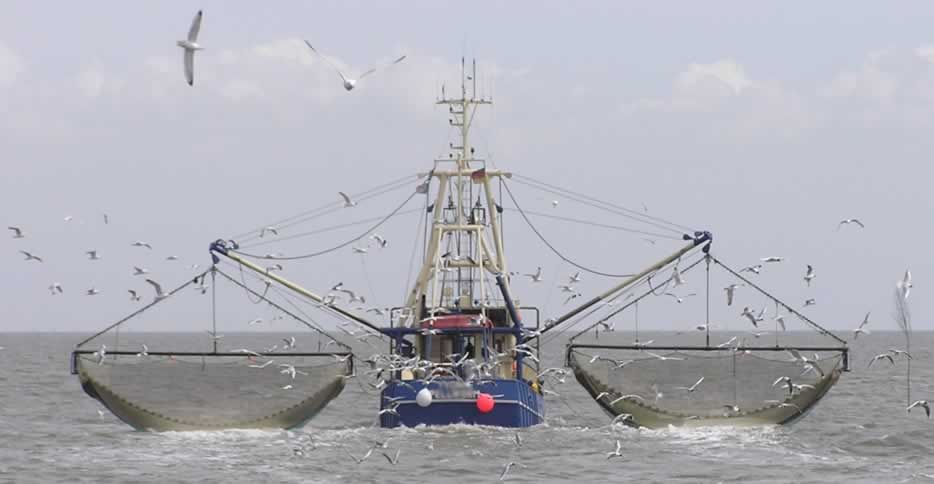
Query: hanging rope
[322, 230]
[553, 249]
[337, 247]
[601, 225]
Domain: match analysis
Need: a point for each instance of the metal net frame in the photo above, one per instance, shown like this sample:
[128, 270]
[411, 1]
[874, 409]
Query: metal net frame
[195, 384]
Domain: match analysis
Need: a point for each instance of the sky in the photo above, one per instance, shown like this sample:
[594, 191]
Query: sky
[765, 123]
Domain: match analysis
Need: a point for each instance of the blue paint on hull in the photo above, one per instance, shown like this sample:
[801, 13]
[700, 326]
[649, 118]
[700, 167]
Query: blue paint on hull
[453, 402]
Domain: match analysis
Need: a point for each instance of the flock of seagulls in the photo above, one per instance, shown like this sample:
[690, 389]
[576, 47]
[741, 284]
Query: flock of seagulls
[190, 46]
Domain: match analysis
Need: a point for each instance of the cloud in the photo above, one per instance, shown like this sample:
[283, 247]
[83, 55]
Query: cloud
[727, 72]
[11, 66]
[870, 81]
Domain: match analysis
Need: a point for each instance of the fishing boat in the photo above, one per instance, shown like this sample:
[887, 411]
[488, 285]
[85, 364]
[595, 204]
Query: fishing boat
[460, 348]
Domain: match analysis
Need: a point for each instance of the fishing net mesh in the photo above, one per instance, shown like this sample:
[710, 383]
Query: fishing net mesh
[213, 392]
[738, 387]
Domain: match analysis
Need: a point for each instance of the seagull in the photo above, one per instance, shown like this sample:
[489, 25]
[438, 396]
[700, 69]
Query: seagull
[554, 204]
[133, 295]
[567, 288]
[347, 201]
[747, 313]
[380, 241]
[780, 319]
[664, 358]
[848, 221]
[518, 440]
[730, 291]
[68, 218]
[172, 257]
[144, 352]
[772, 259]
[393, 459]
[287, 387]
[537, 277]
[56, 288]
[353, 296]
[289, 342]
[904, 285]
[809, 275]
[860, 329]
[30, 256]
[92, 292]
[693, 387]
[756, 269]
[100, 354]
[676, 277]
[732, 408]
[785, 380]
[17, 232]
[626, 397]
[138, 271]
[271, 230]
[616, 453]
[191, 46]
[923, 404]
[883, 356]
[678, 298]
[359, 250]
[93, 255]
[810, 302]
[727, 342]
[572, 297]
[255, 322]
[361, 459]
[264, 365]
[623, 418]
[140, 243]
[502, 475]
[290, 370]
[574, 278]
[160, 294]
[349, 84]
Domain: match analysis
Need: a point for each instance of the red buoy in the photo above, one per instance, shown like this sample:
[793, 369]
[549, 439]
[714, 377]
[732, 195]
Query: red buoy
[485, 402]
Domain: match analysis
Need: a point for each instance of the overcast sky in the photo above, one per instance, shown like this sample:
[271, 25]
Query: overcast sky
[764, 123]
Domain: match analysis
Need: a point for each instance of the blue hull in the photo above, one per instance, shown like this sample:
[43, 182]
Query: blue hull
[453, 402]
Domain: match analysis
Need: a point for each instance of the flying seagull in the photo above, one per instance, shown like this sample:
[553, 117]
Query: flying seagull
[380, 241]
[772, 259]
[92, 292]
[191, 46]
[537, 277]
[17, 232]
[56, 288]
[140, 243]
[883, 356]
[30, 256]
[133, 295]
[810, 302]
[347, 200]
[160, 294]
[848, 221]
[616, 453]
[271, 230]
[923, 404]
[574, 278]
[730, 291]
[756, 269]
[676, 277]
[747, 313]
[809, 275]
[905, 284]
[860, 329]
[138, 271]
[93, 255]
[349, 83]
[693, 387]
[502, 475]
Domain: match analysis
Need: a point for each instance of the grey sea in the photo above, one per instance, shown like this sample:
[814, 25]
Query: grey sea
[52, 432]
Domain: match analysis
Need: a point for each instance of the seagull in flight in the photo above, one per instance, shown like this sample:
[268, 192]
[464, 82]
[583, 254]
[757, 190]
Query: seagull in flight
[772, 260]
[502, 475]
[380, 241]
[144, 353]
[133, 295]
[30, 256]
[730, 292]
[664, 358]
[923, 404]
[861, 328]
[848, 221]
[574, 278]
[786, 381]
[780, 319]
[623, 417]
[809, 275]
[537, 277]
[160, 294]
[883, 356]
[138, 271]
[616, 453]
[17, 232]
[680, 299]
[140, 243]
[191, 45]
[100, 354]
[92, 292]
[347, 201]
[676, 277]
[897, 352]
[756, 269]
[810, 302]
[271, 230]
[290, 370]
[56, 288]
[626, 397]
[693, 387]
[904, 285]
[349, 83]
[93, 255]
[393, 459]
[289, 342]
[747, 313]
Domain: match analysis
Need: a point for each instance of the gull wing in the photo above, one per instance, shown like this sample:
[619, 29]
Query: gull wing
[189, 57]
[374, 69]
[156, 286]
[195, 27]
[334, 66]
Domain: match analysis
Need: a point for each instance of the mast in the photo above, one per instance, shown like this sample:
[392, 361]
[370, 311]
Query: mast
[465, 243]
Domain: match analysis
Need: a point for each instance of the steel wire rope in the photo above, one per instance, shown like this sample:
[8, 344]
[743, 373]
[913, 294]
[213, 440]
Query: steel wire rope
[628, 212]
[361, 195]
[322, 230]
[419, 233]
[553, 249]
[337, 247]
[598, 224]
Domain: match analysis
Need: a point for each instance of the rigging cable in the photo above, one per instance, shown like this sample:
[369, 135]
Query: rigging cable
[322, 230]
[553, 249]
[337, 247]
[600, 225]
[595, 202]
